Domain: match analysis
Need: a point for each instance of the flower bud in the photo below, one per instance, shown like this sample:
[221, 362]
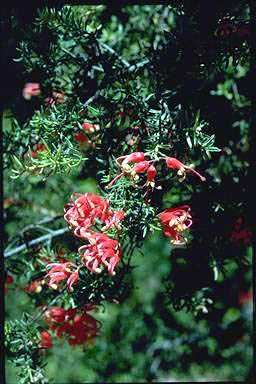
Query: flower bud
[151, 173]
[140, 167]
[134, 157]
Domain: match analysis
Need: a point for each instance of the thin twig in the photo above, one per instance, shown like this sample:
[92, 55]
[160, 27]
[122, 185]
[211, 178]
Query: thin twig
[36, 241]
[43, 221]
[92, 98]
[111, 50]
[138, 65]
[70, 53]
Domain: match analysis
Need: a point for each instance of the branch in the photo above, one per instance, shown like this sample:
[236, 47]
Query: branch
[36, 241]
[111, 50]
[126, 63]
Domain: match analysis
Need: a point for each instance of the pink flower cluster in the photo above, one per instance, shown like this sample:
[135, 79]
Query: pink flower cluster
[91, 210]
[78, 326]
[101, 250]
[30, 90]
[60, 272]
[175, 221]
[33, 89]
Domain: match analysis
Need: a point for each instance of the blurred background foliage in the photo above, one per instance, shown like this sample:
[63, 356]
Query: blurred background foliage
[142, 339]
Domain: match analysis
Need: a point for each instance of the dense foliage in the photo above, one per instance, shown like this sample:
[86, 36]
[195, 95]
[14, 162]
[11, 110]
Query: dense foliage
[135, 120]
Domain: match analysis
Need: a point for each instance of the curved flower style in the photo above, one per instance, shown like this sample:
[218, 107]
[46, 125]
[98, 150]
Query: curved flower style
[173, 163]
[135, 157]
[100, 249]
[61, 272]
[175, 221]
[83, 212]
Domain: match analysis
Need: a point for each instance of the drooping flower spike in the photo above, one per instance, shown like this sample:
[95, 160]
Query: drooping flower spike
[175, 221]
[100, 249]
[83, 212]
[173, 163]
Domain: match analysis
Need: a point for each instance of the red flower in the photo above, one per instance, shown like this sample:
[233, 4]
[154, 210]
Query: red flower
[135, 157]
[173, 163]
[37, 148]
[244, 297]
[55, 315]
[57, 97]
[175, 221]
[241, 232]
[31, 89]
[90, 127]
[8, 280]
[81, 138]
[35, 286]
[46, 340]
[83, 212]
[100, 249]
[151, 173]
[79, 327]
[61, 272]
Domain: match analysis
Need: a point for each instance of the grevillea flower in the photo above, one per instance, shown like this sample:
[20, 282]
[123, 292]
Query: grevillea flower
[46, 340]
[77, 326]
[35, 286]
[101, 252]
[175, 221]
[31, 89]
[173, 163]
[140, 167]
[55, 315]
[61, 272]
[135, 157]
[90, 127]
[83, 140]
[37, 148]
[114, 220]
[83, 212]
[57, 97]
